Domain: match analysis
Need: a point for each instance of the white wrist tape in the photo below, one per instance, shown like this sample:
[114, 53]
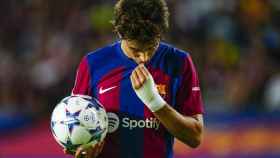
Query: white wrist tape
[149, 95]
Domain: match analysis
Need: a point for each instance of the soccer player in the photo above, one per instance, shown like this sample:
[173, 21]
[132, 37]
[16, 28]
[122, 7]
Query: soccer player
[149, 89]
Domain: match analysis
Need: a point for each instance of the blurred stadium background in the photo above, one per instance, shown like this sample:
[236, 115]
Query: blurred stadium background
[234, 43]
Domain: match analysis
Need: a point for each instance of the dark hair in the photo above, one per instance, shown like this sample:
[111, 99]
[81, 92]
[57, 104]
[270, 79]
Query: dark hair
[142, 20]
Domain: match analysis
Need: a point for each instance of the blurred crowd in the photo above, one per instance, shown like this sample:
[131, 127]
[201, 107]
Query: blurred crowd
[235, 45]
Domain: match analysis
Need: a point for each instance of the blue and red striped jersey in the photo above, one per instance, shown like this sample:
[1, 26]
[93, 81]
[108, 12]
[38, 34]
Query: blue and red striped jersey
[134, 132]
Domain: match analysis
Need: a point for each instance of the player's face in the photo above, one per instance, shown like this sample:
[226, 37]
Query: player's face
[140, 53]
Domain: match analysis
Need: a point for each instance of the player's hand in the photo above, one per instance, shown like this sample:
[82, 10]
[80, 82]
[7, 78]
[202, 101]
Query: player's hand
[89, 152]
[145, 88]
[139, 76]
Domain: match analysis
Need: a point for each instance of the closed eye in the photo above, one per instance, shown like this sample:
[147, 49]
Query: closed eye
[134, 49]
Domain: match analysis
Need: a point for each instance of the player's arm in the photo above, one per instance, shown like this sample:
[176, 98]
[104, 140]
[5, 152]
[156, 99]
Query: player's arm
[188, 129]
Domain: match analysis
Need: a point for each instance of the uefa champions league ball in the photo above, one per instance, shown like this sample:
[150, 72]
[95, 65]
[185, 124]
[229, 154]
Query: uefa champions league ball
[79, 121]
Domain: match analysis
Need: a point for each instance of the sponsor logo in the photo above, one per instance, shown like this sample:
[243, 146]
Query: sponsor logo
[196, 89]
[113, 122]
[126, 122]
[101, 90]
[148, 123]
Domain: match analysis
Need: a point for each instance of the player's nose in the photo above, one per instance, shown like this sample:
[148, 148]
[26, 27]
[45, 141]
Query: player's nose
[144, 57]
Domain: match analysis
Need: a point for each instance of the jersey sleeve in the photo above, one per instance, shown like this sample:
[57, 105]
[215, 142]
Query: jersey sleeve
[189, 97]
[82, 82]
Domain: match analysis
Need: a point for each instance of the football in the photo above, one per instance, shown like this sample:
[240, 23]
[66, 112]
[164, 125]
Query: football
[79, 121]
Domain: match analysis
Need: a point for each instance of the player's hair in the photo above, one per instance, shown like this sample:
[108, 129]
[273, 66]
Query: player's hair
[144, 21]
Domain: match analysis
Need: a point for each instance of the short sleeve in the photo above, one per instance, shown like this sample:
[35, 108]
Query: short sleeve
[189, 97]
[82, 82]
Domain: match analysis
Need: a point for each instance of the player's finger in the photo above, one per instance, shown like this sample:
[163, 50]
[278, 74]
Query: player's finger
[134, 81]
[79, 152]
[95, 151]
[68, 152]
[89, 154]
[140, 75]
[137, 79]
[100, 148]
[65, 151]
[102, 144]
[144, 70]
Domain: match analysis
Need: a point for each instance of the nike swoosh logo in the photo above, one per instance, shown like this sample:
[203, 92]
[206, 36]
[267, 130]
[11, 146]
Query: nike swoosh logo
[196, 89]
[101, 90]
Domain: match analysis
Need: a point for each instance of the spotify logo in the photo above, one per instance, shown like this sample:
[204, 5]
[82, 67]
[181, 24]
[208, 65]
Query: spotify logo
[131, 124]
[113, 122]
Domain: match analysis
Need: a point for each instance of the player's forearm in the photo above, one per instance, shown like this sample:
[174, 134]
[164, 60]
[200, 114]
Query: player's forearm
[187, 129]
